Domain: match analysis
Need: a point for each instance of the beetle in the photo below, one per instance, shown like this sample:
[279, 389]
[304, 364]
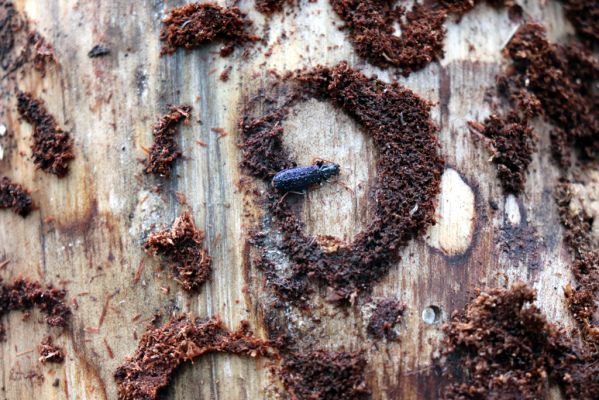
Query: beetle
[299, 178]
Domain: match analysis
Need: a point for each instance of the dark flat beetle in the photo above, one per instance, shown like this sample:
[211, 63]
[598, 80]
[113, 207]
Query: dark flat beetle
[299, 178]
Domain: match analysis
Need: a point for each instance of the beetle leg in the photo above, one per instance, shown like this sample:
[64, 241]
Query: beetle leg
[318, 160]
[346, 187]
[283, 197]
[286, 193]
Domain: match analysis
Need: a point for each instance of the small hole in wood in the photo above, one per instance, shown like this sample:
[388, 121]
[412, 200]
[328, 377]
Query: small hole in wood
[432, 314]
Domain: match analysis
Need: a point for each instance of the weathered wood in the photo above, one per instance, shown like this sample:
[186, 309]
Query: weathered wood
[89, 228]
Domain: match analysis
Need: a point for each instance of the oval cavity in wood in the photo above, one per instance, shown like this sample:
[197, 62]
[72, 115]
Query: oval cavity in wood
[456, 216]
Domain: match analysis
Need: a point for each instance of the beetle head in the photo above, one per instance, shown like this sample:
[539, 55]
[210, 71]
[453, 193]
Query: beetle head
[329, 169]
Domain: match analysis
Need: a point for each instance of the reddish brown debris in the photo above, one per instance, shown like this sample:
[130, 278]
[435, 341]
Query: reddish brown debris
[32, 377]
[224, 76]
[325, 375]
[52, 148]
[584, 16]
[11, 23]
[556, 81]
[24, 295]
[108, 348]
[19, 45]
[502, 347]
[49, 352]
[370, 26]
[582, 300]
[181, 248]
[13, 195]
[162, 350]
[165, 151]
[387, 314]
[511, 142]
[221, 132]
[461, 7]
[194, 25]
[43, 52]
[408, 180]
[269, 7]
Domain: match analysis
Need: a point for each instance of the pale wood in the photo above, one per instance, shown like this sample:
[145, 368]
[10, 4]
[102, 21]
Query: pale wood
[105, 207]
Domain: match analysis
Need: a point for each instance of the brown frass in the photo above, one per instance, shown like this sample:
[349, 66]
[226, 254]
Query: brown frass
[269, 7]
[193, 25]
[370, 28]
[43, 52]
[461, 7]
[181, 248]
[49, 352]
[324, 375]
[502, 347]
[24, 294]
[511, 142]
[370, 25]
[52, 148]
[164, 150]
[162, 350]
[584, 16]
[409, 168]
[387, 314]
[15, 196]
[557, 82]
[11, 23]
[19, 45]
[224, 76]
[582, 299]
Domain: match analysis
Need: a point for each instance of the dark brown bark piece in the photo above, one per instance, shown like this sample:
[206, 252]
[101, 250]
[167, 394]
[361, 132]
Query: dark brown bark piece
[161, 351]
[98, 51]
[164, 150]
[181, 249]
[52, 148]
[194, 25]
[15, 196]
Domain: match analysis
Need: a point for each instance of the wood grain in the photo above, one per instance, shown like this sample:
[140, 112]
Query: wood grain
[88, 230]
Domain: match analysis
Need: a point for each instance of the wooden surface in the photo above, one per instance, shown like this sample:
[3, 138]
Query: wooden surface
[90, 225]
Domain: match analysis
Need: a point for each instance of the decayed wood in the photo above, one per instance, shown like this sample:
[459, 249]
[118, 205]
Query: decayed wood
[89, 229]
